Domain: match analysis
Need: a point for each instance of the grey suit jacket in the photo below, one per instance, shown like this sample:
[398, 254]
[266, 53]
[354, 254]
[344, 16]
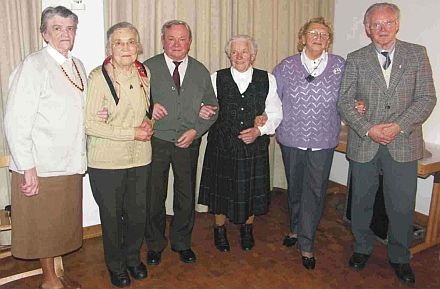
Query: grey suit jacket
[408, 101]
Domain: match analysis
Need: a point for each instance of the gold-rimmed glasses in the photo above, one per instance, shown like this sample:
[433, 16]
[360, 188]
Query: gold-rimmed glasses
[316, 34]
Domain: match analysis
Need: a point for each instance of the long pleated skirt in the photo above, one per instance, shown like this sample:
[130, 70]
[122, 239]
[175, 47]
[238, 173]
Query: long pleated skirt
[235, 184]
[48, 224]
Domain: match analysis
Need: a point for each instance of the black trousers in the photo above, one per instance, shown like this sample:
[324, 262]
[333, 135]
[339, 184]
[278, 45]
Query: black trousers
[307, 174]
[184, 165]
[121, 195]
[399, 191]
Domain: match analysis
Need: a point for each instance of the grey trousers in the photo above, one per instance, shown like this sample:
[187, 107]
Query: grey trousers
[184, 165]
[121, 195]
[399, 190]
[307, 174]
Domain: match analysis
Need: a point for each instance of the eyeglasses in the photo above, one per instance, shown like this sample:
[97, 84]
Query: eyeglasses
[383, 25]
[121, 44]
[316, 34]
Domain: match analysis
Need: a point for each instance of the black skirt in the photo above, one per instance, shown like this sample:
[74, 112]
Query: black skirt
[235, 183]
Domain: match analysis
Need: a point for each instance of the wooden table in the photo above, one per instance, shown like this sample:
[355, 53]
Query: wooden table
[426, 167]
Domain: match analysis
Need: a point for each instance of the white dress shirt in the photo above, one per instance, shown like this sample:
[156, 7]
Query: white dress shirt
[381, 58]
[182, 66]
[273, 105]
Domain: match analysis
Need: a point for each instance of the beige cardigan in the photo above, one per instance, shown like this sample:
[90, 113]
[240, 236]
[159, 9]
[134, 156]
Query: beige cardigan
[111, 143]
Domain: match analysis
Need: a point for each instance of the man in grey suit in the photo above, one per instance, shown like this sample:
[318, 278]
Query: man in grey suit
[179, 86]
[394, 78]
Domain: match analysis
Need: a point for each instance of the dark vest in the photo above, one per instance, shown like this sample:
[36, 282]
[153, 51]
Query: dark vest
[238, 111]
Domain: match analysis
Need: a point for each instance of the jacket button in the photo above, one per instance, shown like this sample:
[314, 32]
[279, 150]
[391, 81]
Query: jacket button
[387, 107]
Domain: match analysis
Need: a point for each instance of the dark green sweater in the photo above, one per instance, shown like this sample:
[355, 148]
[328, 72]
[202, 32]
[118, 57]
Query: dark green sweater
[183, 109]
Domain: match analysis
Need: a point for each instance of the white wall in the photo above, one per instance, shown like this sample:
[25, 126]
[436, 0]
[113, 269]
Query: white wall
[89, 48]
[419, 24]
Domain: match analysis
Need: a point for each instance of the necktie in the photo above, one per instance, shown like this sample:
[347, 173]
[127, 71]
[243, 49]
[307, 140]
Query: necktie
[387, 62]
[176, 75]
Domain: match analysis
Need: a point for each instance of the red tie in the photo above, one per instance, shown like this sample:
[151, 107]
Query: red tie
[176, 75]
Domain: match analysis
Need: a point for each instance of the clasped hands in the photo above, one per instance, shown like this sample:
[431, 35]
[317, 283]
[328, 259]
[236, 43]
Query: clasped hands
[141, 133]
[248, 135]
[384, 133]
[144, 131]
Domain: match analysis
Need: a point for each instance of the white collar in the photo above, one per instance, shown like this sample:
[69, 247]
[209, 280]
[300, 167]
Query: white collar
[169, 61]
[59, 58]
[306, 60]
[247, 75]
[380, 49]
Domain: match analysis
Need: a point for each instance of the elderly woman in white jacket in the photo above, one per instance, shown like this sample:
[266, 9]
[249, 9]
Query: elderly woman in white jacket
[44, 125]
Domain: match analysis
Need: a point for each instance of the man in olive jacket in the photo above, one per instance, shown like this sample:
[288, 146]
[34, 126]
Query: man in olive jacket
[180, 85]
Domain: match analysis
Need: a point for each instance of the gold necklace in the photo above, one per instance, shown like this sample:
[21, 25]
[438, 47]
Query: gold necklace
[81, 88]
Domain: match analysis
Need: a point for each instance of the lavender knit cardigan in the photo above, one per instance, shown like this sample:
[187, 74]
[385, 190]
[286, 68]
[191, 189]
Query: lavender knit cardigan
[310, 117]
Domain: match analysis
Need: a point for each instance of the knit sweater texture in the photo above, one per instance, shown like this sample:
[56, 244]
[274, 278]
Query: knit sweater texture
[183, 109]
[111, 143]
[310, 117]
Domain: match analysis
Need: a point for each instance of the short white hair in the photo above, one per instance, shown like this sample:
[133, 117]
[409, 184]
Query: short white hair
[252, 44]
[378, 6]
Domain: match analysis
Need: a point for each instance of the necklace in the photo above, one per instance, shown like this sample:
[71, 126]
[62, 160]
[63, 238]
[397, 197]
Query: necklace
[81, 88]
[310, 77]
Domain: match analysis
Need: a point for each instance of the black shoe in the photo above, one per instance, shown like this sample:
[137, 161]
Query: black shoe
[247, 239]
[358, 261]
[404, 272]
[138, 272]
[309, 262]
[120, 279]
[289, 241]
[153, 257]
[220, 239]
[187, 256]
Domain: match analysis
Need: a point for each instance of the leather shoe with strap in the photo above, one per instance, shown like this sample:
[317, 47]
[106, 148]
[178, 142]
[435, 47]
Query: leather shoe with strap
[220, 238]
[138, 272]
[120, 279]
[358, 261]
[187, 256]
[153, 257]
[404, 272]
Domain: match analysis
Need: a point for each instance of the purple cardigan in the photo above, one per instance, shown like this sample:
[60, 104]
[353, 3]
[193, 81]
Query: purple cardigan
[310, 117]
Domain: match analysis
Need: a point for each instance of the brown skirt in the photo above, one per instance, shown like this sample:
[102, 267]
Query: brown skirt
[48, 224]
